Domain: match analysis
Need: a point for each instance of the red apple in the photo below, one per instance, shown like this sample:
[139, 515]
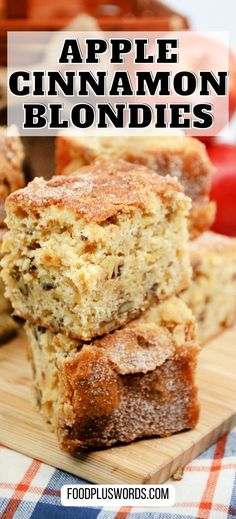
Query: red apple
[201, 52]
[232, 93]
[224, 187]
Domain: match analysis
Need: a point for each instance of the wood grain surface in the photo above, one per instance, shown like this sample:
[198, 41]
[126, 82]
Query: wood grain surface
[146, 461]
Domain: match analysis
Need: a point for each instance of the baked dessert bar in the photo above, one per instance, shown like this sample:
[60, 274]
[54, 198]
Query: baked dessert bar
[86, 254]
[212, 293]
[11, 161]
[138, 381]
[8, 326]
[5, 305]
[183, 157]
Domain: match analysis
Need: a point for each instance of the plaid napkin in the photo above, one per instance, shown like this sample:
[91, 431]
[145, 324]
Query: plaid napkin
[30, 489]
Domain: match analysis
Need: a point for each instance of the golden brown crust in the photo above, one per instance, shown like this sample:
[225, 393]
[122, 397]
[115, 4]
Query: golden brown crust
[138, 348]
[138, 381]
[184, 157]
[92, 372]
[101, 406]
[135, 382]
[201, 218]
[11, 161]
[98, 192]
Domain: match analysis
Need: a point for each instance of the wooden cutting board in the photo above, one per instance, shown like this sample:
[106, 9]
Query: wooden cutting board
[147, 461]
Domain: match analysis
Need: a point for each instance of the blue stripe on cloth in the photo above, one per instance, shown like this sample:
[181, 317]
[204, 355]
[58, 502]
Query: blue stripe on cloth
[58, 479]
[159, 515]
[232, 506]
[24, 509]
[3, 504]
[44, 511]
[230, 448]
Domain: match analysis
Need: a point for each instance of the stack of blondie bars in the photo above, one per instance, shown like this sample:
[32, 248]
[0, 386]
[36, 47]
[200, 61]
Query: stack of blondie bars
[97, 262]
[94, 262]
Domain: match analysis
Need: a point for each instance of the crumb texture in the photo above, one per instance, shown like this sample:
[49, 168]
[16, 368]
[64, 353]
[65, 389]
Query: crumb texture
[8, 326]
[11, 162]
[135, 382]
[212, 293]
[74, 271]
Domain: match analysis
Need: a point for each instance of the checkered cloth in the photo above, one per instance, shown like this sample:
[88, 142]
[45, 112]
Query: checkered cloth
[30, 489]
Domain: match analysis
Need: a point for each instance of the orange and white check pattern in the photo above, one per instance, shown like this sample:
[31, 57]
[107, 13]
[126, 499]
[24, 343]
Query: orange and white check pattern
[207, 490]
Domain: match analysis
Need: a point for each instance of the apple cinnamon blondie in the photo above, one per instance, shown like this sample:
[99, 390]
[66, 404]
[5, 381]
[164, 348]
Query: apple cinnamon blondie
[135, 382]
[183, 157]
[212, 293]
[8, 326]
[86, 254]
[11, 162]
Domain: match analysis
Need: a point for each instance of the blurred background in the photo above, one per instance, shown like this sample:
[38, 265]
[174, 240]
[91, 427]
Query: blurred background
[209, 15]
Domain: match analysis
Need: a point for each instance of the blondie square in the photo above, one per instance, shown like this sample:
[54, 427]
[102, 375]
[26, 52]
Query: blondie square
[11, 162]
[183, 157]
[86, 254]
[212, 293]
[138, 381]
[8, 326]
